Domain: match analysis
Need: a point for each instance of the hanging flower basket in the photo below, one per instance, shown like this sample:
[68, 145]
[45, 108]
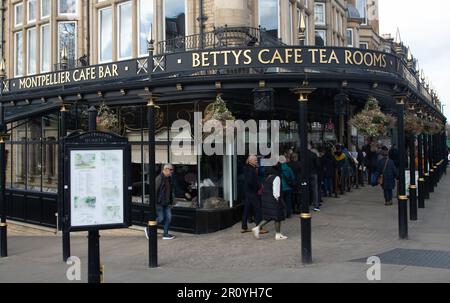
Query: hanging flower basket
[107, 119]
[432, 127]
[371, 121]
[218, 113]
[413, 124]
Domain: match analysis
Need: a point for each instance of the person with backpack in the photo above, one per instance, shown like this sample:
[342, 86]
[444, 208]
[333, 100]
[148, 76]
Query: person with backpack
[288, 183]
[273, 208]
[387, 174]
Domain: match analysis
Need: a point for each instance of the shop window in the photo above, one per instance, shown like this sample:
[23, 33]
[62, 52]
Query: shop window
[8, 148]
[269, 17]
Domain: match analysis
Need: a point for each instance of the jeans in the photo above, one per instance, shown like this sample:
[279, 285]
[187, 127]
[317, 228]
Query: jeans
[164, 216]
[328, 182]
[315, 190]
[388, 195]
[251, 201]
[287, 198]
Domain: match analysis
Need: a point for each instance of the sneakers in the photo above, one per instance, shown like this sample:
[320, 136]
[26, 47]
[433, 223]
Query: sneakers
[245, 230]
[168, 237]
[280, 237]
[256, 231]
[317, 209]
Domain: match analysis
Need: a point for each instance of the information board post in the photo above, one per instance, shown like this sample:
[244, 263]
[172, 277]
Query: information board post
[62, 214]
[412, 186]
[94, 275]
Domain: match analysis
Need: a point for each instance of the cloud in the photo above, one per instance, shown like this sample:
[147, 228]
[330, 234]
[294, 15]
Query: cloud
[422, 27]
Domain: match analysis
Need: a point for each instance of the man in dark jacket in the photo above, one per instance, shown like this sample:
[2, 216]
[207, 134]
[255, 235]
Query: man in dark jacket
[388, 170]
[252, 194]
[165, 190]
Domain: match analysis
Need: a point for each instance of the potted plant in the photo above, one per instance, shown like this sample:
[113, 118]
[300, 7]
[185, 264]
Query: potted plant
[413, 124]
[107, 119]
[218, 113]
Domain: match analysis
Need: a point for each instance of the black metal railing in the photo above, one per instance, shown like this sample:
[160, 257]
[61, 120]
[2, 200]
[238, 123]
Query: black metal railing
[221, 37]
[73, 63]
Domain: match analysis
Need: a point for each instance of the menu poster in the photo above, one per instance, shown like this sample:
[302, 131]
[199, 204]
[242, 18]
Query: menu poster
[96, 183]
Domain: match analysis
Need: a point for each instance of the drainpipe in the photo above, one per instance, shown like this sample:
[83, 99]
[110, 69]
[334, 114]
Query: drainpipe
[201, 19]
[2, 31]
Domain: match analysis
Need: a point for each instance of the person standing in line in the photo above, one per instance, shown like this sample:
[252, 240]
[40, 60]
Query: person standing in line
[388, 171]
[294, 164]
[252, 193]
[287, 185]
[313, 172]
[328, 166]
[273, 208]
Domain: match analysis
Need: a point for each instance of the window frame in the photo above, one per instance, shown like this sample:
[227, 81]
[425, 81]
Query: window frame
[28, 11]
[42, 10]
[139, 54]
[164, 19]
[20, 4]
[364, 43]
[67, 14]
[41, 40]
[324, 37]
[99, 33]
[75, 40]
[118, 19]
[31, 48]
[352, 43]
[323, 5]
[16, 74]
[278, 14]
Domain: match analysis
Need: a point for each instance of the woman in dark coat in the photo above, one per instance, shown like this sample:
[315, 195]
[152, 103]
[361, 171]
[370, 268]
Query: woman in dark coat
[388, 170]
[273, 208]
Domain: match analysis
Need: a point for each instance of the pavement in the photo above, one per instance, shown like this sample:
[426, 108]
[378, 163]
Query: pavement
[355, 226]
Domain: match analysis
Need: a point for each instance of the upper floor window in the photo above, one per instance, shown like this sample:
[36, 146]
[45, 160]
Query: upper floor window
[18, 14]
[145, 23]
[364, 45]
[31, 10]
[46, 40]
[105, 34]
[45, 8]
[18, 54]
[67, 37]
[319, 13]
[67, 7]
[269, 16]
[125, 35]
[175, 19]
[320, 38]
[350, 37]
[31, 51]
[361, 5]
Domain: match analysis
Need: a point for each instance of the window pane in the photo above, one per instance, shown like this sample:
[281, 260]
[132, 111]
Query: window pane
[67, 6]
[125, 31]
[31, 50]
[45, 50]
[361, 6]
[145, 21]
[319, 13]
[18, 55]
[175, 12]
[268, 16]
[18, 14]
[31, 10]
[45, 8]
[67, 37]
[320, 38]
[105, 21]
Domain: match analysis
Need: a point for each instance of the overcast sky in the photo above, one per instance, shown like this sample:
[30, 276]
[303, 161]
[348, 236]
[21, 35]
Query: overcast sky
[423, 26]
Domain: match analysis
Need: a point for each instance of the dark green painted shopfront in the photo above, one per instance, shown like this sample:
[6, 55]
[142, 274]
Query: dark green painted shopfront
[257, 80]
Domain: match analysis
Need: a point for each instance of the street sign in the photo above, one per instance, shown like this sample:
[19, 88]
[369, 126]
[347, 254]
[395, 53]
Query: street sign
[97, 181]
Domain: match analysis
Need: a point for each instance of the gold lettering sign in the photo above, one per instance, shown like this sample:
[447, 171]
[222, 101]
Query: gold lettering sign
[67, 77]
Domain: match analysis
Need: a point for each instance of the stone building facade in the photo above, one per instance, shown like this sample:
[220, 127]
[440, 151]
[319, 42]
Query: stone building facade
[35, 32]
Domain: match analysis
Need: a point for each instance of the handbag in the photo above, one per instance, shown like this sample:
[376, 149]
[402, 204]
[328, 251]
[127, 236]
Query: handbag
[380, 179]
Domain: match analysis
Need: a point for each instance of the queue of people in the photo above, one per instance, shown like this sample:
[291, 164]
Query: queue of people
[273, 193]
